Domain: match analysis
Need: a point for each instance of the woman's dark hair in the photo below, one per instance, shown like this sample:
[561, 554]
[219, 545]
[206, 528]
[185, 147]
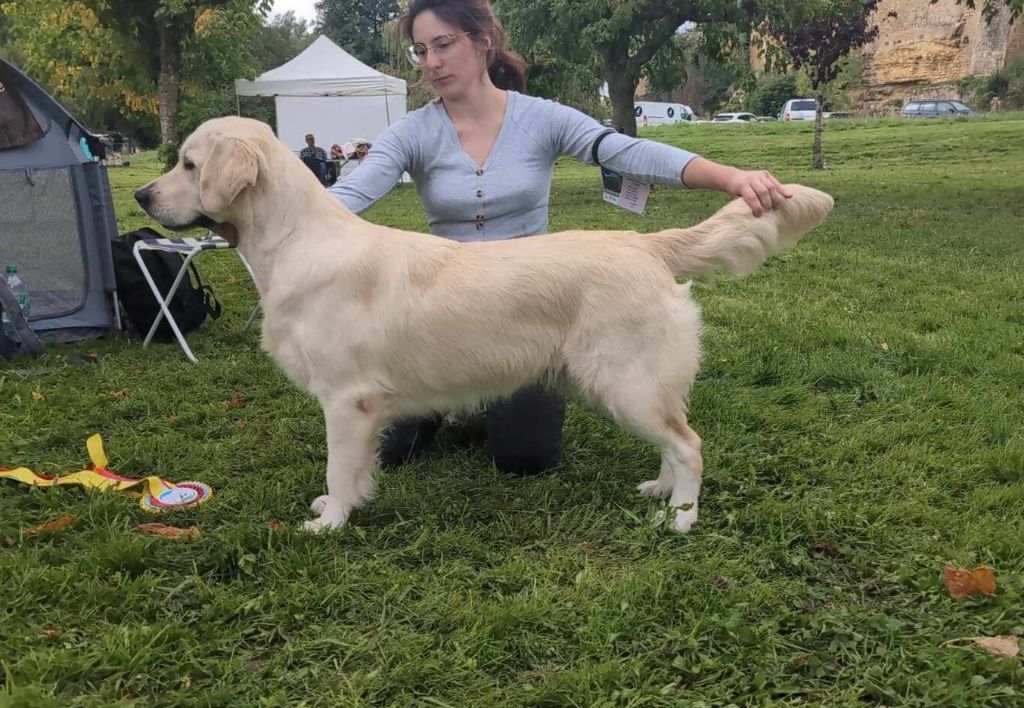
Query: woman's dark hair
[476, 17]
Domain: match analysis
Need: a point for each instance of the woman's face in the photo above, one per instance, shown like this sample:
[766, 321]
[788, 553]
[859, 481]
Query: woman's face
[453, 60]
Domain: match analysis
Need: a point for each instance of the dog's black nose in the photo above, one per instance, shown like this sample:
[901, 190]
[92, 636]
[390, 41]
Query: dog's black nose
[144, 196]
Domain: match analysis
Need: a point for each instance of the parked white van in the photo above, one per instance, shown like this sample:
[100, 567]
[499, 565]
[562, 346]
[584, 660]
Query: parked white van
[657, 113]
[798, 109]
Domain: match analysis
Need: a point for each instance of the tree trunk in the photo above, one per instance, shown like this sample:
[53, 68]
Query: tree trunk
[169, 83]
[817, 162]
[621, 91]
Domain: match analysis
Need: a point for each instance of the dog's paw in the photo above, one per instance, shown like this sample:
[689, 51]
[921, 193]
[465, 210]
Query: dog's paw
[655, 489]
[680, 519]
[683, 521]
[318, 526]
[331, 514]
[319, 504]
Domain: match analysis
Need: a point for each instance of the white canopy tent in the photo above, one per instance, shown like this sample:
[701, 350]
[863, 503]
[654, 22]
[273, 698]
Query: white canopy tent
[328, 92]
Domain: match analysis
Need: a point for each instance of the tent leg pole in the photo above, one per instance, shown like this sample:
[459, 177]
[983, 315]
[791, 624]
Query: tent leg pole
[238, 105]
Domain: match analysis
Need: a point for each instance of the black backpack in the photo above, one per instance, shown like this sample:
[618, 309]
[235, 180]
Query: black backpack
[190, 306]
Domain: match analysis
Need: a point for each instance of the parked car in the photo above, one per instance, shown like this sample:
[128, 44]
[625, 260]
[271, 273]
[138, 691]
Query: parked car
[766, 119]
[929, 109]
[798, 109]
[735, 118]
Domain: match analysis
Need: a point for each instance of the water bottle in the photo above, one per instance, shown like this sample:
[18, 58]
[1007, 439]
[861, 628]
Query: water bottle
[17, 287]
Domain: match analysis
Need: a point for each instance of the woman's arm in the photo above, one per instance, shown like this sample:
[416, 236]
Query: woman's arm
[377, 174]
[648, 161]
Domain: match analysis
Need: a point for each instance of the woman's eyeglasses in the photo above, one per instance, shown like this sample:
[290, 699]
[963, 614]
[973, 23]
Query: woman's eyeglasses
[442, 45]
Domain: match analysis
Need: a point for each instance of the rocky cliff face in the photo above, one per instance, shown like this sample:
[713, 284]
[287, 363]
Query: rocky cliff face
[933, 43]
[928, 44]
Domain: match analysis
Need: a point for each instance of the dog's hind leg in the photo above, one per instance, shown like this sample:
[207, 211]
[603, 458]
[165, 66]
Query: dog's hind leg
[660, 488]
[353, 425]
[659, 419]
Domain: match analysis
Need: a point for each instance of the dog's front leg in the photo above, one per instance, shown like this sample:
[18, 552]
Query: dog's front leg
[353, 425]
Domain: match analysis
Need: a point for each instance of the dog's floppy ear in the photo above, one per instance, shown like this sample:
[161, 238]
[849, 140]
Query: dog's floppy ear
[233, 165]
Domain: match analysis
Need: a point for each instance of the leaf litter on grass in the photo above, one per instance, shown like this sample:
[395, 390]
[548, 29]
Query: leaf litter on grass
[1004, 646]
[961, 583]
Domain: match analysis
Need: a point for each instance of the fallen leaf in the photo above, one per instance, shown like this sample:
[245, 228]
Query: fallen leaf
[169, 531]
[1006, 646]
[240, 423]
[237, 401]
[57, 525]
[10, 541]
[38, 396]
[275, 526]
[984, 580]
[93, 353]
[884, 346]
[49, 633]
[138, 369]
[961, 583]
[119, 395]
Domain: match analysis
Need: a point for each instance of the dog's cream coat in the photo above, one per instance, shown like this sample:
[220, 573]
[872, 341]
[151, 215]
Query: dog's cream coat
[380, 324]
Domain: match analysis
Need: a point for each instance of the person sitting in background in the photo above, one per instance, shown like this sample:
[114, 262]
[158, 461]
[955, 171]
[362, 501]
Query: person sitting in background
[315, 158]
[311, 149]
[334, 165]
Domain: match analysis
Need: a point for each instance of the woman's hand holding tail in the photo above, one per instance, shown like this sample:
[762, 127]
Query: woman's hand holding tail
[758, 188]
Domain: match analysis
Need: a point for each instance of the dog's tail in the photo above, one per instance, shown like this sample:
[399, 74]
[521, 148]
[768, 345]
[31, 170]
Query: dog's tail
[735, 239]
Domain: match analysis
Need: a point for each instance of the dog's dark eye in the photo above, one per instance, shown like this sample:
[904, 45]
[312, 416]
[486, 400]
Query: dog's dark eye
[188, 164]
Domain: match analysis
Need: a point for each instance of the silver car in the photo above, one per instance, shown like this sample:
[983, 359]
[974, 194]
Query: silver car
[931, 109]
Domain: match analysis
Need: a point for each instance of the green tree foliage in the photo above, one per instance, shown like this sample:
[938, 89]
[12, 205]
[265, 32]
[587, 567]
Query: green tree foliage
[816, 38]
[280, 40]
[629, 38]
[8, 50]
[158, 34]
[139, 66]
[357, 26]
[769, 97]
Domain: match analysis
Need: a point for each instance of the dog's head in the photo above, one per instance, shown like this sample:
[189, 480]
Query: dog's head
[219, 167]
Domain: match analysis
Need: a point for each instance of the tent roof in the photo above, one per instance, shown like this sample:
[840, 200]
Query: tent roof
[322, 69]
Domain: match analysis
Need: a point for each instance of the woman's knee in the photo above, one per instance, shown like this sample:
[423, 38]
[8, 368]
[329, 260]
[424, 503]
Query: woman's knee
[524, 433]
[405, 440]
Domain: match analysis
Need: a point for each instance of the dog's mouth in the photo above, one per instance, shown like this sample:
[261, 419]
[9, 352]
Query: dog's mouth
[204, 222]
[221, 228]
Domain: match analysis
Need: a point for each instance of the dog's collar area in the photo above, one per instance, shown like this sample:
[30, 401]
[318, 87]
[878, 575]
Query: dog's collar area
[224, 229]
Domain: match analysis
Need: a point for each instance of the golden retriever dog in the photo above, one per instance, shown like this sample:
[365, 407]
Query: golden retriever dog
[380, 324]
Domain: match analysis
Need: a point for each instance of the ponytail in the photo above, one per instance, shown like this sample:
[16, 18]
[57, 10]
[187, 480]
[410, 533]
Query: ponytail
[507, 71]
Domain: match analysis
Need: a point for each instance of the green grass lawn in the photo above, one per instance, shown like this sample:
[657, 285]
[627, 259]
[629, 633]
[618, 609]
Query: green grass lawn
[862, 411]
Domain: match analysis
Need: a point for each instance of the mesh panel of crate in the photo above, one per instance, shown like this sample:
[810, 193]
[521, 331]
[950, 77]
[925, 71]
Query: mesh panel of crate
[39, 231]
